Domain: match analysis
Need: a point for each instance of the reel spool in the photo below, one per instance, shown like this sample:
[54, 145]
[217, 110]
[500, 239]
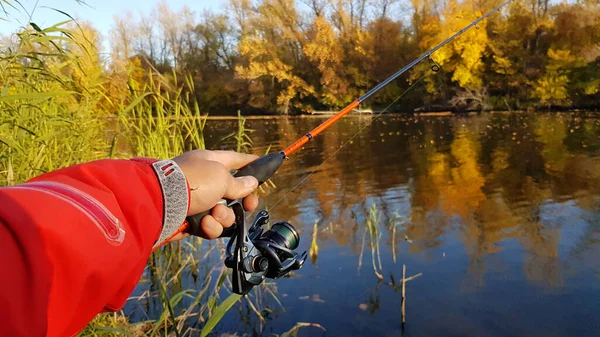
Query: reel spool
[259, 254]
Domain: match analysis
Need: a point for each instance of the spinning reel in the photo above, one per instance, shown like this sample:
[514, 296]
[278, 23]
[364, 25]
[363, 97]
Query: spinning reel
[255, 254]
[252, 253]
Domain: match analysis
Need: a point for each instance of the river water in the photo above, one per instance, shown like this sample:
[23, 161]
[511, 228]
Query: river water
[499, 212]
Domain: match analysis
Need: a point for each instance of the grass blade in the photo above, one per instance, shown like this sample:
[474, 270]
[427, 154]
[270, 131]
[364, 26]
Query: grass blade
[219, 313]
[36, 95]
[136, 102]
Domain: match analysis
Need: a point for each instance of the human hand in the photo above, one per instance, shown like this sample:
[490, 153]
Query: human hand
[210, 180]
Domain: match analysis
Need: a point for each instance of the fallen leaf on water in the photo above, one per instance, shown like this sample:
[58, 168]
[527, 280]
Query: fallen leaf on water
[363, 306]
[314, 298]
[317, 298]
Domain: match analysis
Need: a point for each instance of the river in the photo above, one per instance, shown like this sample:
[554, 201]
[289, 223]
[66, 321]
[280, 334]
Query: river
[500, 212]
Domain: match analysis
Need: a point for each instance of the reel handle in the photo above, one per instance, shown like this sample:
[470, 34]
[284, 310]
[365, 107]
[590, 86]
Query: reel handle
[262, 169]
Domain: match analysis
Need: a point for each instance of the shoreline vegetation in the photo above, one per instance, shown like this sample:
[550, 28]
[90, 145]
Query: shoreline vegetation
[288, 57]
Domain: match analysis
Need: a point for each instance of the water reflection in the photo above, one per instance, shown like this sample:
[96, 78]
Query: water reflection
[496, 174]
[528, 184]
[479, 202]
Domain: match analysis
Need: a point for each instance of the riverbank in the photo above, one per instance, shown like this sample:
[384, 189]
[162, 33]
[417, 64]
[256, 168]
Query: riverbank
[416, 114]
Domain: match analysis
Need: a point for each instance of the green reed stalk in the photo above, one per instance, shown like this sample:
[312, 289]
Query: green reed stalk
[372, 224]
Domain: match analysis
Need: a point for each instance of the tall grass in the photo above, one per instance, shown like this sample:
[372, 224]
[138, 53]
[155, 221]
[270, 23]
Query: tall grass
[58, 108]
[48, 119]
[372, 222]
[162, 123]
[241, 137]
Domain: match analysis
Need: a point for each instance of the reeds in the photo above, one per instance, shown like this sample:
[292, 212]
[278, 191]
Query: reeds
[241, 137]
[161, 123]
[57, 109]
[372, 228]
[48, 115]
[393, 224]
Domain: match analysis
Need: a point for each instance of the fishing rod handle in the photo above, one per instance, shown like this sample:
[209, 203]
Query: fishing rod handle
[262, 169]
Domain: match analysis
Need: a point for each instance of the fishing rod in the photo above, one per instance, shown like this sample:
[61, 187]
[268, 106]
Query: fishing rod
[259, 254]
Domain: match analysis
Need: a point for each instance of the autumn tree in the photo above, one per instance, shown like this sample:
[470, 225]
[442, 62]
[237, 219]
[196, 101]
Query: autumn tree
[272, 54]
[285, 56]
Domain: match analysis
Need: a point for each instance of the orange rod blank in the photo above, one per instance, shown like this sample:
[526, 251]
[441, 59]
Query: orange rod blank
[300, 142]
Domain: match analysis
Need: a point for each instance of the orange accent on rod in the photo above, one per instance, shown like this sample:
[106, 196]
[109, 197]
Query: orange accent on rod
[180, 230]
[300, 142]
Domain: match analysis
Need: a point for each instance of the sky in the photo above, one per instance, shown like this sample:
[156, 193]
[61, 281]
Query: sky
[99, 12]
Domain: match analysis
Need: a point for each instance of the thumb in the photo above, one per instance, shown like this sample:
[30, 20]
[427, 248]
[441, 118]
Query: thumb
[240, 187]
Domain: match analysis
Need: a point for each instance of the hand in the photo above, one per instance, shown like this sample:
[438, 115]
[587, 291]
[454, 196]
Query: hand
[210, 180]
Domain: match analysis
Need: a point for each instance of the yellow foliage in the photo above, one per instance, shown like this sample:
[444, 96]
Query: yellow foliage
[592, 88]
[325, 51]
[263, 61]
[503, 65]
[323, 47]
[430, 33]
[361, 37]
[560, 58]
[552, 86]
[84, 47]
[464, 55]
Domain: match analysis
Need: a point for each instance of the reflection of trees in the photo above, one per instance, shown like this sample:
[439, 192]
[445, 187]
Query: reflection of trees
[462, 194]
[588, 247]
[541, 264]
[489, 174]
[427, 222]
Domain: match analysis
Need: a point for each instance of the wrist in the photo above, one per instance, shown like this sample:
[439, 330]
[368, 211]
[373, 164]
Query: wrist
[175, 195]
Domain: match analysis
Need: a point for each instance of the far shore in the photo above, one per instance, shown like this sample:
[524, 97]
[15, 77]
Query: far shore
[325, 114]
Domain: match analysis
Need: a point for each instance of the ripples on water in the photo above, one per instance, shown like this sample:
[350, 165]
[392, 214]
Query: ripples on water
[500, 212]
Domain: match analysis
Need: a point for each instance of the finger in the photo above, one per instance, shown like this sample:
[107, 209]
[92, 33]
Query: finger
[210, 228]
[223, 215]
[230, 159]
[251, 202]
[240, 187]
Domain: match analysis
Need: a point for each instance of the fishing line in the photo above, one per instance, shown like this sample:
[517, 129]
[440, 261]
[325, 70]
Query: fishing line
[353, 136]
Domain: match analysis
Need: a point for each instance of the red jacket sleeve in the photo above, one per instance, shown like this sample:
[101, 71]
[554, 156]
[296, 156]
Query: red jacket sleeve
[75, 242]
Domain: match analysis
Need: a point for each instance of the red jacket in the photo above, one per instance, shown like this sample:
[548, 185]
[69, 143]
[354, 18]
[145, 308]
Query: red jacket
[74, 242]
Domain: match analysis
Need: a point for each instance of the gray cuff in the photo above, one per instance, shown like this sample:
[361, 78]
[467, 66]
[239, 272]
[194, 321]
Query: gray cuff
[175, 197]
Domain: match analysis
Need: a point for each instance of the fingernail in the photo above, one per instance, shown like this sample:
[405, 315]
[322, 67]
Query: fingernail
[249, 182]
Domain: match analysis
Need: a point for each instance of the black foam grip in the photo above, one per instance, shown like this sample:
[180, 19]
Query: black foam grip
[262, 169]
